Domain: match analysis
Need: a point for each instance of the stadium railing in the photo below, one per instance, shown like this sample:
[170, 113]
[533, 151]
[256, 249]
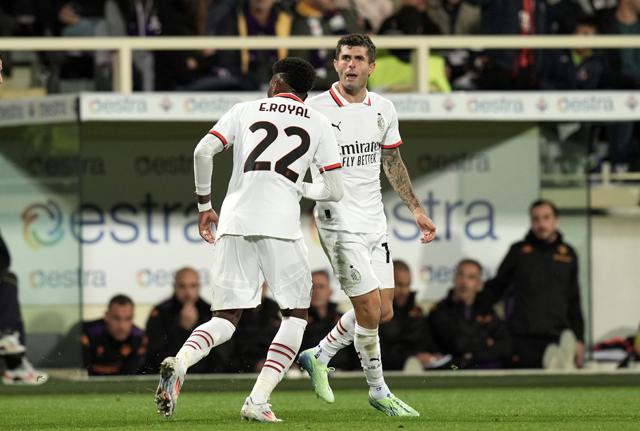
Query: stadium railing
[420, 45]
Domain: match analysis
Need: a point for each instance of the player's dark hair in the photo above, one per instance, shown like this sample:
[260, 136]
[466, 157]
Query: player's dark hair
[542, 202]
[297, 73]
[357, 39]
[120, 300]
[468, 261]
[400, 264]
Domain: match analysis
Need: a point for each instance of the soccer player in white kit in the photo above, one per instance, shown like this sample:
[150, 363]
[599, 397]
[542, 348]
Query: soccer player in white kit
[353, 231]
[274, 140]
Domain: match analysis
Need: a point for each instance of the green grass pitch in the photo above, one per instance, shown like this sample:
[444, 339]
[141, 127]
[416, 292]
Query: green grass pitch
[576, 408]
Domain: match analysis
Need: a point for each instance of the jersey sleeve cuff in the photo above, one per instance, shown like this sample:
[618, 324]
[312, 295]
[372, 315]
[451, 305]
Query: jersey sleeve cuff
[330, 167]
[397, 144]
[221, 137]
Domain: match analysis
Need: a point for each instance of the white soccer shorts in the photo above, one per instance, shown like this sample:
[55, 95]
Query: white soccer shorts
[361, 261]
[239, 262]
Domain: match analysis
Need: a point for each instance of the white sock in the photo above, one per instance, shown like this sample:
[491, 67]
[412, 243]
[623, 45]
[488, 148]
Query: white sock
[340, 337]
[212, 333]
[282, 352]
[367, 345]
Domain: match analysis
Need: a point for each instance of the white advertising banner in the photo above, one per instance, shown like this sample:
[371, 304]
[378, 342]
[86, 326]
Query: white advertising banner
[480, 106]
[42, 110]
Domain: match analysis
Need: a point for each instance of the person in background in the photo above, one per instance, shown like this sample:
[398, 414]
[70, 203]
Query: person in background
[113, 345]
[470, 332]
[538, 282]
[323, 316]
[171, 321]
[400, 336]
[12, 337]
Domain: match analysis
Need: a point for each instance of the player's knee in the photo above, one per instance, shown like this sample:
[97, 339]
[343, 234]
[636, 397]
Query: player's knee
[386, 315]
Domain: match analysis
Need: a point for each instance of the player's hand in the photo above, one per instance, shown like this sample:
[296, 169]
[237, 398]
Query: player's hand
[205, 220]
[188, 316]
[426, 226]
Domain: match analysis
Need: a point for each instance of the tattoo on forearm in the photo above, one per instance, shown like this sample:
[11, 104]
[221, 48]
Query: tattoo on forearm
[398, 177]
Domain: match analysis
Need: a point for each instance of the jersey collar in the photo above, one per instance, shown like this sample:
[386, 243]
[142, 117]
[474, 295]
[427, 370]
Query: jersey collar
[341, 101]
[289, 96]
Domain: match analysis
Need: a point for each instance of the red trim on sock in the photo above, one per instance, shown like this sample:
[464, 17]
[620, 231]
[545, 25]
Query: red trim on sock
[275, 362]
[286, 347]
[282, 353]
[272, 367]
[339, 331]
[330, 337]
[339, 325]
[203, 337]
[192, 344]
[213, 343]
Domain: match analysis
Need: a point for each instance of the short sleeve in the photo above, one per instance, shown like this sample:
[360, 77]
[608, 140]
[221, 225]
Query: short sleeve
[226, 127]
[326, 157]
[392, 137]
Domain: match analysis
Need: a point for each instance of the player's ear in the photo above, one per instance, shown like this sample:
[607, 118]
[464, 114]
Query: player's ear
[372, 67]
[335, 64]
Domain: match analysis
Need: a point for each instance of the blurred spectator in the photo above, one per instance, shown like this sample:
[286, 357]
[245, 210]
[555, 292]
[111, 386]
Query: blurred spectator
[322, 18]
[323, 316]
[173, 69]
[139, 18]
[411, 19]
[511, 69]
[18, 369]
[171, 322]
[82, 18]
[538, 281]
[623, 137]
[372, 12]
[254, 334]
[574, 69]
[395, 72]
[114, 345]
[454, 16]
[400, 336]
[472, 333]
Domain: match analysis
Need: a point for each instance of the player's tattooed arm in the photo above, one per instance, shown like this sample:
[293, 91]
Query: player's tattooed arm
[398, 177]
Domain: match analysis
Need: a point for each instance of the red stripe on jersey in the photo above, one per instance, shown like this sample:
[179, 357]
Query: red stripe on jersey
[272, 367]
[200, 331]
[203, 337]
[289, 96]
[335, 97]
[282, 353]
[286, 347]
[368, 102]
[330, 167]
[397, 144]
[219, 136]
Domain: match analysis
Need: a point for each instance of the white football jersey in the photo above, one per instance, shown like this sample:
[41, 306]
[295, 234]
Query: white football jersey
[362, 131]
[274, 142]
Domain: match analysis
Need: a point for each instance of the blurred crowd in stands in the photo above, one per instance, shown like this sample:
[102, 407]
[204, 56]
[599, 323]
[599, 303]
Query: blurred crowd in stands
[523, 69]
[457, 69]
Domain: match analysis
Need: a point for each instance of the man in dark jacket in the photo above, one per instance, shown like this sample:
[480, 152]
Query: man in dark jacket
[172, 321]
[472, 333]
[400, 337]
[114, 345]
[323, 317]
[538, 281]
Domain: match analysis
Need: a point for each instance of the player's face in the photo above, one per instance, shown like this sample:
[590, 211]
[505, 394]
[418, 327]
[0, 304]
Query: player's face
[187, 286]
[353, 67]
[544, 223]
[119, 319]
[402, 279]
[321, 289]
[467, 282]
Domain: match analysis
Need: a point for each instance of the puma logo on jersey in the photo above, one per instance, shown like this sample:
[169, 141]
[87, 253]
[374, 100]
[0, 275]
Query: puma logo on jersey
[337, 126]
